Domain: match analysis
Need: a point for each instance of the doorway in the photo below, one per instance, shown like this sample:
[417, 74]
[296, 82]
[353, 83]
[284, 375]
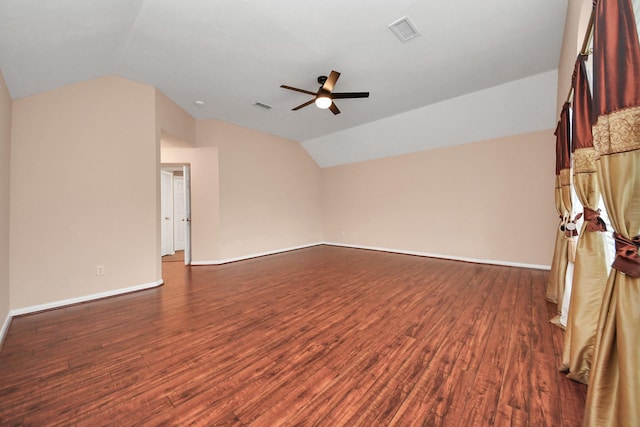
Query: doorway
[175, 212]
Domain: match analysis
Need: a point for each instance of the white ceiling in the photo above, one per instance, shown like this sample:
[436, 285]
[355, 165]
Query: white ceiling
[233, 53]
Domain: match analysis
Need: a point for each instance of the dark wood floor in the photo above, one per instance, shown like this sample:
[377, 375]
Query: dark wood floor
[321, 336]
[178, 256]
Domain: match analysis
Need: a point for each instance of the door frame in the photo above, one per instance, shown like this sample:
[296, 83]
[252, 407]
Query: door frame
[185, 168]
[186, 173]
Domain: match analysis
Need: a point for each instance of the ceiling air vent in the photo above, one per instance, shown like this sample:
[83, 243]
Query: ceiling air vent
[404, 29]
[263, 106]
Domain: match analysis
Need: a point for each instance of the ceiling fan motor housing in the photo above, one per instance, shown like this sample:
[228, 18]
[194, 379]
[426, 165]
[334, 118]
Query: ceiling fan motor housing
[323, 93]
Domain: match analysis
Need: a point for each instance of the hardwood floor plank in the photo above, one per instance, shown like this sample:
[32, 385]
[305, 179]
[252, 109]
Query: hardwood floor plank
[337, 403]
[435, 374]
[546, 406]
[279, 412]
[470, 358]
[475, 335]
[513, 400]
[482, 408]
[319, 336]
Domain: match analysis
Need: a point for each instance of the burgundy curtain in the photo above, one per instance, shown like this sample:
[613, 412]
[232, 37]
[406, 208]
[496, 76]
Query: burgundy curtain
[613, 397]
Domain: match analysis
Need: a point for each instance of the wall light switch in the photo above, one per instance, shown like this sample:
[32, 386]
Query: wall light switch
[99, 270]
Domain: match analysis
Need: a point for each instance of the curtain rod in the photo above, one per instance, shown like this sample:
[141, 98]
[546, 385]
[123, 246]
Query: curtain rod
[585, 44]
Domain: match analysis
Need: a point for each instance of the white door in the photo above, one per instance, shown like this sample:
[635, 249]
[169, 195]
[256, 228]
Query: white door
[179, 216]
[166, 212]
[186, 172]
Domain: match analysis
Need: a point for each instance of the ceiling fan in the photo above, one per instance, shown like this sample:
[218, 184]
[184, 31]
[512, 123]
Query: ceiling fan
[325, 95]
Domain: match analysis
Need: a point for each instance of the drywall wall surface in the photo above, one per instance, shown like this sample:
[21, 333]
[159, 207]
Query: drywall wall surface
[84, 192]
[175, 124]
[490, 201]
[269, 191]
[575, 28]
[5, 165]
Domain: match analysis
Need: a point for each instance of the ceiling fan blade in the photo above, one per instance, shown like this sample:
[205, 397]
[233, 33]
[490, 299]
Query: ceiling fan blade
[298, 90]
[331, 81]
[345, 95]
[334, 108]
[304, 105]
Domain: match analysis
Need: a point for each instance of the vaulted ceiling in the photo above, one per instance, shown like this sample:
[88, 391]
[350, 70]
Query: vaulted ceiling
[230, 54]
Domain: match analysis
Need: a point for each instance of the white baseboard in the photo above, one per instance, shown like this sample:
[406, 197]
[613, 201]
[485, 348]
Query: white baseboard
[256, 255]
[5, 328]
[450, 257]
[86, 298]
[374, 248]
[62, 303]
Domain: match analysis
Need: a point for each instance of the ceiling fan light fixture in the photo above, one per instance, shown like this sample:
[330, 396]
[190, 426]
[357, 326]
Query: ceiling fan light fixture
[325, 95]
[323, 101]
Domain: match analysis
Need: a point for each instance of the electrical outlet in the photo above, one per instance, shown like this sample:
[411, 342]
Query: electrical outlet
[99, 270]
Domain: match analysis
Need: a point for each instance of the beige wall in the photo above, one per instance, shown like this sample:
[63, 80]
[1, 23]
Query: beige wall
[489, 200]
[576, 22]
[5, 153]
[203, 163]
[175, 124]
[84, 191]
[269, 191]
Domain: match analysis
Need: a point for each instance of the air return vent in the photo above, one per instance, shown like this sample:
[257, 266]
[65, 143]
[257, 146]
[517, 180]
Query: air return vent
[404, 29]
[263, 106]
